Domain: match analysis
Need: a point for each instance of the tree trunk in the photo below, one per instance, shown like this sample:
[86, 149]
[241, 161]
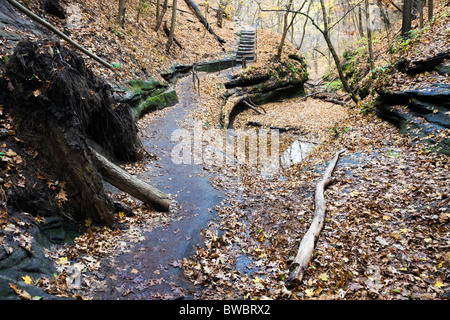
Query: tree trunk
[336, 59]
[369, 36]
[202, 19]
[126, 182]
[421, 14]
[285, 30]
[172, 25]
[122, 12]
[306, 248]
[160, 17]
[407, 17]
[360, 24]
[430, 9]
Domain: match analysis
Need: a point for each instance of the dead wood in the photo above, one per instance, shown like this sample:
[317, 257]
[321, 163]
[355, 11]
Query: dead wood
[50, 27]
[205, 22]
[306, 248]
[127, 183]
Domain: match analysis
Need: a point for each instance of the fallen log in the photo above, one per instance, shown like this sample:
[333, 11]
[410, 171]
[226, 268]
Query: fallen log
[127, 183]
[306, 248]
[50, 27]
[191, 4]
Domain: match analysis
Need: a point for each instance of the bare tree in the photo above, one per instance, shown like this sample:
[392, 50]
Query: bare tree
[172, 25]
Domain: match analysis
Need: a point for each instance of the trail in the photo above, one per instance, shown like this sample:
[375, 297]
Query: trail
[156, 273]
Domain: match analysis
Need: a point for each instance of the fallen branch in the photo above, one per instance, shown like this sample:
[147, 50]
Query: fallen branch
[252, 107]
[127, 183]
[205, 22]
[37, 19]
[306, 249]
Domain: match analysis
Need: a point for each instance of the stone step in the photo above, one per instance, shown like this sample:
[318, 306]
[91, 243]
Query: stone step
[245, 56]
[245, 52]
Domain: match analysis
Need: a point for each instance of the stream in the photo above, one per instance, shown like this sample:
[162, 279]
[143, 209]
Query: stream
[154, 260]
[155, 257]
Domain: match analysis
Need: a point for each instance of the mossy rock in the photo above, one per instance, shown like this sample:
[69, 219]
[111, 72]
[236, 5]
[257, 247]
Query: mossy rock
[155, 102]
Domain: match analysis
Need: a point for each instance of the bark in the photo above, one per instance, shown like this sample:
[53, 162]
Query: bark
[407, 17]
[306, 249]
[127, 183]
[203, 20]
[172, 26]
[430, 9]
[122, 12]
[369, 35]
[160, 16]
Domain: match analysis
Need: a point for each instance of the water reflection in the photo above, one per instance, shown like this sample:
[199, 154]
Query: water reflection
[296, 153]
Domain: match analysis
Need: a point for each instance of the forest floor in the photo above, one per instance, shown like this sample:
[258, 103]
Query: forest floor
[386, 233]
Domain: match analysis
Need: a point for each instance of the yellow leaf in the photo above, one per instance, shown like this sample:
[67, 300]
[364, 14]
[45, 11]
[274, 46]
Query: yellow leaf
[88, 222]
[396, 235]
[134, 271]
[40, 219]
[27, 279]
[257, 279]
[323, 277]
[439, 284]
[354, 193]
[309, 292]
[63, 260]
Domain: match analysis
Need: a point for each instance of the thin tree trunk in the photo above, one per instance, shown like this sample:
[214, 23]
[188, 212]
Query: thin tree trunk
[369, 36]
[306, 248]
[421, 14]
[160, 18]
[172, 26]
[304, 28]
[430, 9]
[122, 12]
[336, 59]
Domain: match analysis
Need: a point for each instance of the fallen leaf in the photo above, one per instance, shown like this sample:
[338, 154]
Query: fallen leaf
[27, 279]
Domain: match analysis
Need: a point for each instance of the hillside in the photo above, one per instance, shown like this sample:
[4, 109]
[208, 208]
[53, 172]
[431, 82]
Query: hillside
[137, 49]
